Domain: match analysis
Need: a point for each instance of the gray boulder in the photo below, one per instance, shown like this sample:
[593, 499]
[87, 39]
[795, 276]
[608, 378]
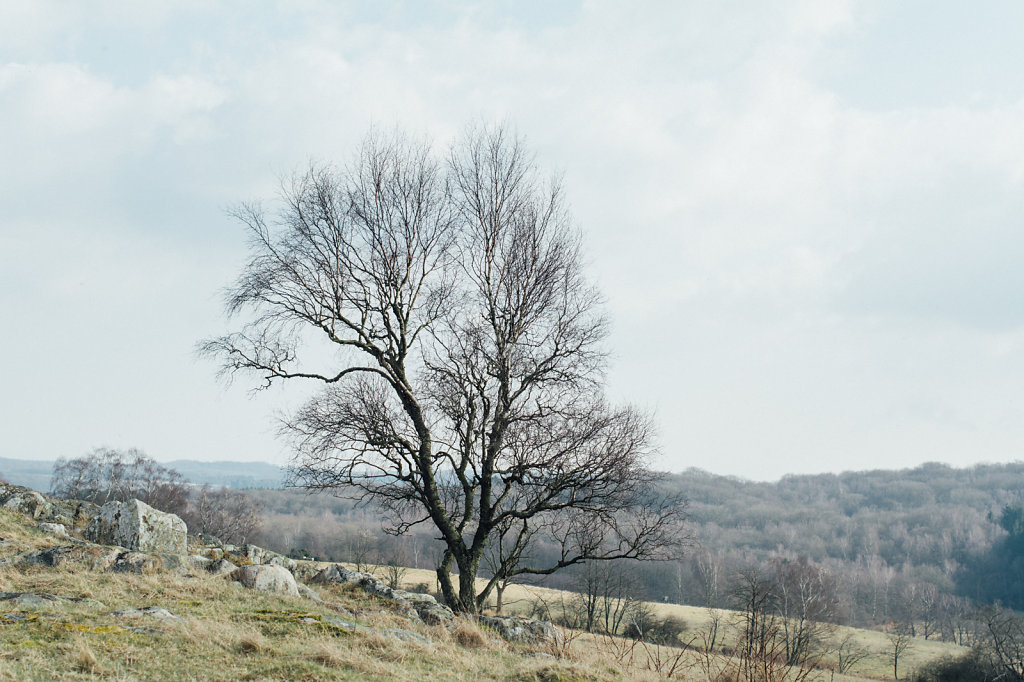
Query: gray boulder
[136, 526]
[221, 567]
[308, 593]
[34, 600]
[145, 612]
[305, 570]
[41, 508]
[25, 500]
[518, 629]
[413, 604]
[273, 579]
[137, 562]
[95, 557]
[58, 529]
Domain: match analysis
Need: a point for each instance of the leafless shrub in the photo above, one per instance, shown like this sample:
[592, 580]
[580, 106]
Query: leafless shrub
[106, 475]
[232, 516]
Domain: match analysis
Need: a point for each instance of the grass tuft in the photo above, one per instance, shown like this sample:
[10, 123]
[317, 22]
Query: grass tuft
[468, 635]
[329, 655]
[252, 642]
[85, 659]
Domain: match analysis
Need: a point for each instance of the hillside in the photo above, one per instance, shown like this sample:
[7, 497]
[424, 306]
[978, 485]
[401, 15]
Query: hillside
[70, 608]
[896, 546]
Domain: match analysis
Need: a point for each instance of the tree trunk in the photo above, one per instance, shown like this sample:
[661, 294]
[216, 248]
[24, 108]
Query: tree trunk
[467, 588]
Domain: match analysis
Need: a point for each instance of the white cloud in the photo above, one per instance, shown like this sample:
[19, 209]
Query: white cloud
[773, 247]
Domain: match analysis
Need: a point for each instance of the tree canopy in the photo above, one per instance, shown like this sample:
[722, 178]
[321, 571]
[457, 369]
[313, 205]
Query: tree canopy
[463, 381]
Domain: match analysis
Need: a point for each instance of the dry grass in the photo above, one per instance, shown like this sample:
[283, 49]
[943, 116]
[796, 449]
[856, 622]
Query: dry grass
[468, 634]
[329, 654]
[252, 642]
[228, 633]
[85, 659]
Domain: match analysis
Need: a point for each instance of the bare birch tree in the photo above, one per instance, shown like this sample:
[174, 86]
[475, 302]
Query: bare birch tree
[464, 388]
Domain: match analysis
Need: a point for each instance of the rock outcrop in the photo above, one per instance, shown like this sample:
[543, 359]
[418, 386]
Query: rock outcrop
[134, 537]
[35, 505]
[26, 501]
[136, 526]
[267, 578]
[519, 629]
[58, 529]
[415, 605]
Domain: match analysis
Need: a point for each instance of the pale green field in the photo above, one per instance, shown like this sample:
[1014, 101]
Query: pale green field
[876, 666]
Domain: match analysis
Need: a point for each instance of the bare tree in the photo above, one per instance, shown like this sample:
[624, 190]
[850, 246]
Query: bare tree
[464, 390]
[849, 652]
[230, 515]
[900, 641]
[1004, 641]
[106, 475]
[605, 597]
[505, 551]
[362, 550]
[807, 603]
[395, 568]
[755, 599]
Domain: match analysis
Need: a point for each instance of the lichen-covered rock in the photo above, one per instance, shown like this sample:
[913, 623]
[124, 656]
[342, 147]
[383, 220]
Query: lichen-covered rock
[273, 579]
[58, 529]
[307, 592]
[74, 513]
[178, 564]
[41, 508]
[251, 553]
[136, 526]
[275, 559]
[519, 629]
[305, 570]
[137, 562]
[147, 612]
[222, 567]
[211, 553]
[25, 500]
[413, 604]
[199, 563]
[35, 600]
[95, 557]
[434, 614]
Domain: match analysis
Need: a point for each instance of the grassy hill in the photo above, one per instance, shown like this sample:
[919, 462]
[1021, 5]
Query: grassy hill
[71, 622]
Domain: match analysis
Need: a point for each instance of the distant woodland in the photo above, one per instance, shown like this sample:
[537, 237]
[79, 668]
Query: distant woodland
[919, 548]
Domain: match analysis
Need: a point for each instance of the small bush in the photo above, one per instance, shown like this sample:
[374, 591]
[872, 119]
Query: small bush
[666, 631]
[974, 666]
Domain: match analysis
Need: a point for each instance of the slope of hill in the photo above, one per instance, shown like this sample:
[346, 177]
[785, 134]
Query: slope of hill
[893, 545]
[67, 613]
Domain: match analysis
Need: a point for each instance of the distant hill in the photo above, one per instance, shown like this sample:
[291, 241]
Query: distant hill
[32, 473]
[230, 474]
[36, 474]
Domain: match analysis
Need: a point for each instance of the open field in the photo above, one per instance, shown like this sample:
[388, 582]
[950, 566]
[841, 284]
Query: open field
[876, 665]
[216, 630]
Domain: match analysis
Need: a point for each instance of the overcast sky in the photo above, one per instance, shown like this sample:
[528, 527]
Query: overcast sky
[808, 217]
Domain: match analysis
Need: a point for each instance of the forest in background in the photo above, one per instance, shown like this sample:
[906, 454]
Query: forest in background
[919, 548]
